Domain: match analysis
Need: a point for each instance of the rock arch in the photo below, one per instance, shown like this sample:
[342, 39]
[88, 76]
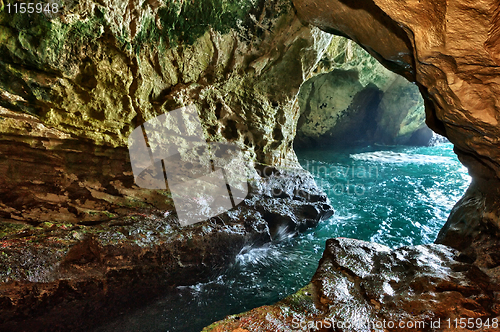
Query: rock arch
[447, 48]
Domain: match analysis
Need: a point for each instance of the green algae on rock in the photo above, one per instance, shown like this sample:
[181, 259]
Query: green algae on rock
[353, 95]
[77, 78]
[74, 85]
[446, 50]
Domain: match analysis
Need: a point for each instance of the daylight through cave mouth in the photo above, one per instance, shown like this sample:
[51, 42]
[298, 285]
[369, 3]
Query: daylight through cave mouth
[381, 189]
[362, 135]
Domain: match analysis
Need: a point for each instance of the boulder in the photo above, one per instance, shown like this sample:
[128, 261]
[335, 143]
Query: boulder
[361, 286]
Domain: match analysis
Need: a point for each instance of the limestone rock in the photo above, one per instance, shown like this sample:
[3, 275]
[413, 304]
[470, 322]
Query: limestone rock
[361, 286]
[59, 274]
[450, 49]
[74, 85]
[75, 229]
[345, 54]
[358, 102]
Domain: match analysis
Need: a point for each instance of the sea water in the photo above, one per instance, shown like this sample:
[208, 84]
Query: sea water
[394, 196]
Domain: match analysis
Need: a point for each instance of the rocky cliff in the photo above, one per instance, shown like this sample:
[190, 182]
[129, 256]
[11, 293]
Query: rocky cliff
[75, 85]
[354, 96]
[75, 229]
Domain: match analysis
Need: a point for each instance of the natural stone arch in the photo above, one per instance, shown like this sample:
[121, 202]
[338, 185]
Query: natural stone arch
[446, 48]
[353, 100]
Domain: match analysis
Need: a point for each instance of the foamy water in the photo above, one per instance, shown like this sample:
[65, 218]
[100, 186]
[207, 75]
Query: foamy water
[398, 196]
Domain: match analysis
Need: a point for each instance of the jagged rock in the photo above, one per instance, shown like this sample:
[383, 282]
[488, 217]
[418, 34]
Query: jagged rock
[75, 229]
[74, 86]
[361, 286]
[60, 274]
[450, 49]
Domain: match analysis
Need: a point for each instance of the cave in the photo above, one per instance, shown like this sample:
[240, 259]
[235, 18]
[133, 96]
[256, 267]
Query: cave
[91, 229]
[354, 101]
[362, 135]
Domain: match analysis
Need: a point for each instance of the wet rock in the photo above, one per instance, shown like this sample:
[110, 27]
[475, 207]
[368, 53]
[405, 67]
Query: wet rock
[290, 202]
[73, 86]
[61, 274]
[362, 286]
[412, 284]
[472, 227]
[450, 49]
[78, 237]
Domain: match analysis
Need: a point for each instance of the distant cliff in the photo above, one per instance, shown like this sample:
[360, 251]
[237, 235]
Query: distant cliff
[355, 101]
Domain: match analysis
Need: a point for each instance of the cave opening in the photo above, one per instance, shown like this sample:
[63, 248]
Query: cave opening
[362, 135]
[389, 179]
[81, 239]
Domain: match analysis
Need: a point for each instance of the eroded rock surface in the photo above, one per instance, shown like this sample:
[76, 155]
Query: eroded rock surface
[61, 274]
[75, 229]
[358, 102]
[74, 86]
[443, 47]
[361, 286]
[450, 49]
[447, 49]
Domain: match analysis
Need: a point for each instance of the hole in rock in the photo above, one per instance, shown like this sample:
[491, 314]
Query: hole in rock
[362, 135]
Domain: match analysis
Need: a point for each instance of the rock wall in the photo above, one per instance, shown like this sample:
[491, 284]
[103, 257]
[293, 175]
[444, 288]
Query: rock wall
[447, 48]
[75, 231]
[76, 83]
[356, 97]
[361, 286]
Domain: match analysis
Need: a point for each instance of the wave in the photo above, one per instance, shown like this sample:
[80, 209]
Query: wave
[399, 158]
[438, 139]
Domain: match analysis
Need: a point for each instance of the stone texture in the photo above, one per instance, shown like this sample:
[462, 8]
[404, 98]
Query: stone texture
[73, 87]
[77, 235]
[364, 286]
[345, 54]
[60, 274]
[354, 96]
[448, 49]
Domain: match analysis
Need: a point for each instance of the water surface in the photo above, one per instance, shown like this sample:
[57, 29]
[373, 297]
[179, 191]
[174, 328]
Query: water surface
[394, 196]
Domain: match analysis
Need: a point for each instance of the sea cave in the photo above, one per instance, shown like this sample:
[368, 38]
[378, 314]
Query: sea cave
[284, 165]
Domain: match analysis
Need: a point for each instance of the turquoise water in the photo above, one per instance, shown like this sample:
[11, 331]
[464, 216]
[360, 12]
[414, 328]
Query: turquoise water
[394, 196]
[398, 196]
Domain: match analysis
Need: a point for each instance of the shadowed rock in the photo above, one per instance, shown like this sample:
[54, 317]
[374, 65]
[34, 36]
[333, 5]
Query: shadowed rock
[362, 286]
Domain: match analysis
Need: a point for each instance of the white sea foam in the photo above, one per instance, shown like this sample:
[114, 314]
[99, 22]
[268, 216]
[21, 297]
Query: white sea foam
[257, 256]
[399, 158]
